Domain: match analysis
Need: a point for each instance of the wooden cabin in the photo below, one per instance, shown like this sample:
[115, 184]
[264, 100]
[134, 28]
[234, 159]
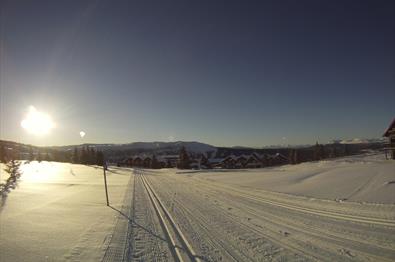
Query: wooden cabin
[229, 162]
[215, 162]
[137, 161]
[254, 161]
[171, 160]
[279, 159]
[162, 163]
[147, 162]
[241, 161]
[390, 133]
[129, 162]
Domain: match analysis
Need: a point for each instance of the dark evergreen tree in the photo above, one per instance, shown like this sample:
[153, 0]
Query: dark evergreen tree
[58, 156]
[332, 150]
[295, 159]
[47, 157]
[322, 152]
[183, 159]
[346, 150]
[92, 156]
[99, 158]
[76, 156]
[154, 162]
[317, 152]
[31, 154]
[293, 156]
[39, 157]
[12, 168]
[84, 155]
[14, 154]
[3, 154]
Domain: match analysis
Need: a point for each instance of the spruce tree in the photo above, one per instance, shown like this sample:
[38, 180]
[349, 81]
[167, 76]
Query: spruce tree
[184, 159]
[92, 156]
[84, 155]
[99, 158]
[154, 162]
[322, 152]
[291, 155]
[3, 155]
[76, 156]
[12, 168]
[317, 152]
[47, 157]
[295, 159]
[39, 157]
[31, 154]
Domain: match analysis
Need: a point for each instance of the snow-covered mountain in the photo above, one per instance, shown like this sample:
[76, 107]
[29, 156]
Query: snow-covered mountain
[360, 140]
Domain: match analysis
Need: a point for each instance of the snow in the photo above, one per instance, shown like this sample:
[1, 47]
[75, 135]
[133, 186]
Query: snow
[306, 212]
[361, 178]
[58, 212]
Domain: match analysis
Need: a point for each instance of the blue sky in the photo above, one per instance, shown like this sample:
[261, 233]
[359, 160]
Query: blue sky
[250, 73]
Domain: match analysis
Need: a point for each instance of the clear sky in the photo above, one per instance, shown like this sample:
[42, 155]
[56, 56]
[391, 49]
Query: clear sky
[227, 73]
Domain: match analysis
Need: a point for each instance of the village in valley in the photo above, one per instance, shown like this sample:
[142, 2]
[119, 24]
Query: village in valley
[195, 155]
[233, 158]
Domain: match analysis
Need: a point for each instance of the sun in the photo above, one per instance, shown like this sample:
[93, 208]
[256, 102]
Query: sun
[37, 123]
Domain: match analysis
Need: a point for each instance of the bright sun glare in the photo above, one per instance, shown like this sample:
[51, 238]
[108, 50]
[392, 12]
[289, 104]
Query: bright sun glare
[37, 123]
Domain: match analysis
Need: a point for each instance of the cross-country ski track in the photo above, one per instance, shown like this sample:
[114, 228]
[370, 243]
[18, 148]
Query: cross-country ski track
[187, 218]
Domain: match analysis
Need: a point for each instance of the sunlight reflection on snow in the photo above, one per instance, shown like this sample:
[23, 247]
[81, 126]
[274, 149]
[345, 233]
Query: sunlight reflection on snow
[39, 172]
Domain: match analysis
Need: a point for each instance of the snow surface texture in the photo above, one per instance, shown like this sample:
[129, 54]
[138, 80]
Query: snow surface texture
[58, 213]
[361, 178]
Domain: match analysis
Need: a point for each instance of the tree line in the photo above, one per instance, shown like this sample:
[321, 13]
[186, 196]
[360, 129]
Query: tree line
[87, 156]
[83, 155]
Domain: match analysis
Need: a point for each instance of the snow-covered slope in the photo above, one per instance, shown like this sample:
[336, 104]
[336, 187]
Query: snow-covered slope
[363, 178]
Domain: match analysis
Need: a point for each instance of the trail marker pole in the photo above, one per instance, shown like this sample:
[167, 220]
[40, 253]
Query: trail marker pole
[105, 181]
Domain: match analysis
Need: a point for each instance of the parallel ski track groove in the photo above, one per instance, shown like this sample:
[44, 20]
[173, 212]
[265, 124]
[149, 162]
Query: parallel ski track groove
[351, 218]
[332, 238]
[158, 206]
[269, 234]
[198, 218]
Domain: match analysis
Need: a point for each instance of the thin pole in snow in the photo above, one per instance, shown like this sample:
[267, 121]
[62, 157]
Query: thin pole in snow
[105, 181]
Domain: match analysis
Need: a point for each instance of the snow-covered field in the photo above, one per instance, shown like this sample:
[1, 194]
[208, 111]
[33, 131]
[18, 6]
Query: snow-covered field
[334, 210]
[361, 178]
[58, 213]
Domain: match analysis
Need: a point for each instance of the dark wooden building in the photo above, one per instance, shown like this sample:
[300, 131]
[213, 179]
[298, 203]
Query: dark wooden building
[138, 161]
[390, 133]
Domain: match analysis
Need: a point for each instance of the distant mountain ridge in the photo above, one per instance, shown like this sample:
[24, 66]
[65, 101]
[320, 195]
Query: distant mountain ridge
[190, 146]
[360, 140]
[120, 151]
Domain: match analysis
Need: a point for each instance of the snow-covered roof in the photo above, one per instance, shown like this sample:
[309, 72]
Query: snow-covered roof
[216, 160]
[170, 156]
[278, 155]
